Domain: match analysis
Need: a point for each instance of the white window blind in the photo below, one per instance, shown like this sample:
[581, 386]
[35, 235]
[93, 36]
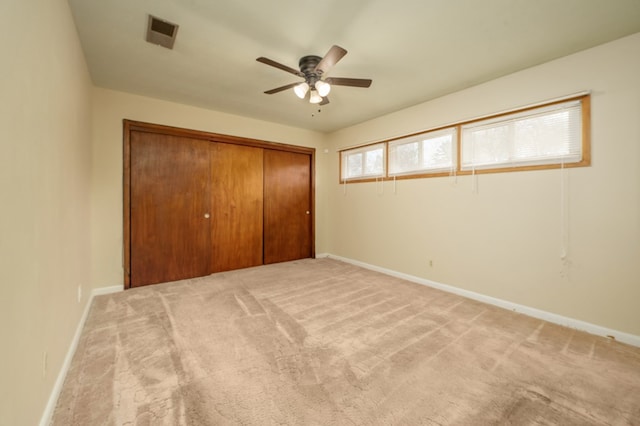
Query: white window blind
[364, 162]
[424, 153]
[545, 135]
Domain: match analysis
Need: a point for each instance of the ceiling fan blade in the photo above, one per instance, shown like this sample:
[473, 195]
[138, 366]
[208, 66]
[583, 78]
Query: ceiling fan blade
[330, 59]
[280, 66]
[281, 88]
[325, 101]
[353, 82]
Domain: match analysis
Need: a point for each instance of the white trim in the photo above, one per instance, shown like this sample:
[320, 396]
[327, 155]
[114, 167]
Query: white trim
[57, 387]
[106, 290]
[598, 330]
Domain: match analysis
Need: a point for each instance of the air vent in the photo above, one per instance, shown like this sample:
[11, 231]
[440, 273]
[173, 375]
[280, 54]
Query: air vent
[161, 32]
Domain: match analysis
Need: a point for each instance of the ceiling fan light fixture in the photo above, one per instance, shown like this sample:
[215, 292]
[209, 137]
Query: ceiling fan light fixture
[311, 69]
[301, 90]
[323, 88]
[315, 97]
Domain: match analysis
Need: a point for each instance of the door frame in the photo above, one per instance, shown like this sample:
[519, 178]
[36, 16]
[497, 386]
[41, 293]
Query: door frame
[139, 126]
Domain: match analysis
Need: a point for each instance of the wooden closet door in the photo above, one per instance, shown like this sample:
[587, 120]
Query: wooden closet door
[287, 206]
[170, 205]
[236, 200]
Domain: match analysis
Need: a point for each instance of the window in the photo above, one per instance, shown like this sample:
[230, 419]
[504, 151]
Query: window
[546, 135]
[365, 162]
[555, 134]
[425, 153]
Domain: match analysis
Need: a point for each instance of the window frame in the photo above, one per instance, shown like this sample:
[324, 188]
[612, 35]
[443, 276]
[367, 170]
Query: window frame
[363, 150]
[420, 139]
[585, 133]
[585, 160]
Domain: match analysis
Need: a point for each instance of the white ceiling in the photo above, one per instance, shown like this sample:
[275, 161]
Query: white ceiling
[414, 50]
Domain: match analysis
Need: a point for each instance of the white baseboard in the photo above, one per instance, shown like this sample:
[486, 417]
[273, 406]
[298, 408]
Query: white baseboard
[106, 290]
[62, 374]
[598, 330]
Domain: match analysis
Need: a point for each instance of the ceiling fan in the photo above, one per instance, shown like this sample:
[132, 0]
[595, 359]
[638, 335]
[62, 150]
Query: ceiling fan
[312, 68]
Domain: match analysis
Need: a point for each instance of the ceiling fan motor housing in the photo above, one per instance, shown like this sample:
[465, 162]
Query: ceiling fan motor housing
[307, 66]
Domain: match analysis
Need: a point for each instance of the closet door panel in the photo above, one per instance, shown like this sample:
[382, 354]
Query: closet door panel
[237, 204]
[287, 206]
[170, 230]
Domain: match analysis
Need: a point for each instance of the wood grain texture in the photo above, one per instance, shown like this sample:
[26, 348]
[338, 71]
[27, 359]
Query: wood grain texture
[238, 204]
[214, 137]
[170, 184]
[237, 213]
[287, 206]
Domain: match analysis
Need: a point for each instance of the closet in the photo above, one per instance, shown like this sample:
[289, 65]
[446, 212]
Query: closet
[197, 203]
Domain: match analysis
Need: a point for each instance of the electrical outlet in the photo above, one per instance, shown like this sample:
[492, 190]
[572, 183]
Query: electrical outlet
[79, 294]
[44, 363]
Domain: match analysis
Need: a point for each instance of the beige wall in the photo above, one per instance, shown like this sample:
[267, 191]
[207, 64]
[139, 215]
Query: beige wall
[44, 188]
[109, 109]
[505, 241]
[61, 189]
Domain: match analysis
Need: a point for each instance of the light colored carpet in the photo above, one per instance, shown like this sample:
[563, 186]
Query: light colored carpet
[321, 342]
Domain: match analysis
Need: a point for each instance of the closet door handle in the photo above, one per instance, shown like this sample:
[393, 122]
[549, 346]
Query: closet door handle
[207, 216]
[307, 212]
